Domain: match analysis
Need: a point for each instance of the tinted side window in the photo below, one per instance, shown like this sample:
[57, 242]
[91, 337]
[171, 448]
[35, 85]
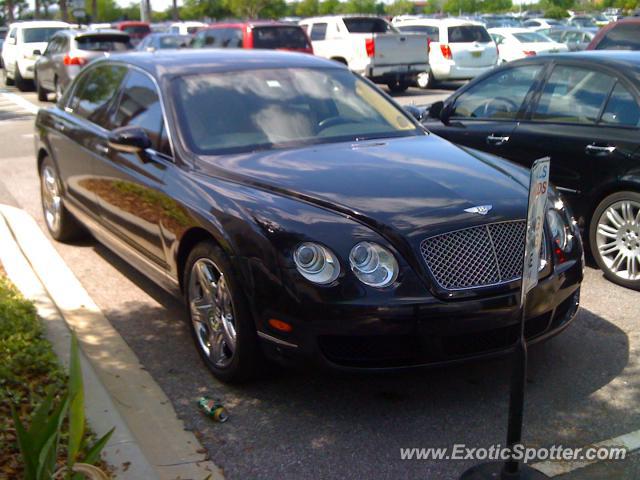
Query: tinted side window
[318, 31]
[622, 109]
[95, 92]
[432, 32]
[468, 34]
[497, 97]
[573, 95]
[367, 25]
[621, 37]
[232, 38]
[205, 39]
[140, 106]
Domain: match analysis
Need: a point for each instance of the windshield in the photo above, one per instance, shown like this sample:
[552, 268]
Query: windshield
[173, 41]
[583, 22]
[531, 37]
[469, 34]
[40, 35]
[104, 43]
[137, 29]
[280, 37]
[278, 108]
[367, 25]
[621, 37]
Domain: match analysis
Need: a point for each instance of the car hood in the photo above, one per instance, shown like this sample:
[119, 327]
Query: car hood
[410, 187]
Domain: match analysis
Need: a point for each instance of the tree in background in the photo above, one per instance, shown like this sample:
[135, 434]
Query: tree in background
[359, 6]
[496, 6]
[64, 11]
[432, 7]
[329, 7]
[8, 7]
[400, 7]
[307, 8]
[202, 9]
[457, 6]
[247, 8]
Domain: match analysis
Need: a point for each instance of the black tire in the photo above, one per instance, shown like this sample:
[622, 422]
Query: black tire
[630, 239]
[67, 228]
[247, 357]
[40, 90]
[8, 81]
[20, 82]
[398, 87]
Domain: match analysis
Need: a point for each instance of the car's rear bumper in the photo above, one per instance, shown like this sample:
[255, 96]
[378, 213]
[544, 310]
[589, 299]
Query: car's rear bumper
[450, 71]
[404, 70]
[429, 333]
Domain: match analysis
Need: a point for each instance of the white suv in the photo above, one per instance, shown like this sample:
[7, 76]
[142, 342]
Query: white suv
[25, 42]
[458, 49]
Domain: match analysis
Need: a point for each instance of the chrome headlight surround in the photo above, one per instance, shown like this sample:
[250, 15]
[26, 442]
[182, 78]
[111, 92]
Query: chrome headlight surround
[560, 228]
[373, 264]
[316, 263]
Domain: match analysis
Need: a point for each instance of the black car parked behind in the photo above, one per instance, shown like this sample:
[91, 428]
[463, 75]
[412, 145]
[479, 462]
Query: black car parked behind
[582, 109]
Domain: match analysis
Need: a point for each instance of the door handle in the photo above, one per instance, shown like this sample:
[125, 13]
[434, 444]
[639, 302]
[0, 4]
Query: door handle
[103, 149]
[600, 149]
[59, 126]
[496, 140]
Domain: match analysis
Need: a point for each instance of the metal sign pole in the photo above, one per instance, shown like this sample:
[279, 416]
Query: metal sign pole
[536, 210]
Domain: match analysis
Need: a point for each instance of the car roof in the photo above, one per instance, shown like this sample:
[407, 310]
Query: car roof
[445, 22]
[83, 33]
[167, 63]
[250, 23]
[40, 23]
[615, 59]
[508, 30]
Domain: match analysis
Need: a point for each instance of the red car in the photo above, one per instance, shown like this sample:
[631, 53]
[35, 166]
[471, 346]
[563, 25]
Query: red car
[621, 35]
[136, 30]
[268, 35]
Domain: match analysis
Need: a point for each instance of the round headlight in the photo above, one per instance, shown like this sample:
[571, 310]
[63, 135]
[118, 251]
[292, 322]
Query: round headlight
[373, 265]
[559, 230]
[316, 263]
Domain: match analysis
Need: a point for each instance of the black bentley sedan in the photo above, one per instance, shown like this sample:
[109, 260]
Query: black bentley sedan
[581, 109]
[299, 212]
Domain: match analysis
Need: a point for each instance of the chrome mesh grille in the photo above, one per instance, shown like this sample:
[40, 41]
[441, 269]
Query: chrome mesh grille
[478, 256]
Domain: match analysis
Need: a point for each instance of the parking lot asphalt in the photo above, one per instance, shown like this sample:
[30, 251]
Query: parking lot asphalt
[583, 386]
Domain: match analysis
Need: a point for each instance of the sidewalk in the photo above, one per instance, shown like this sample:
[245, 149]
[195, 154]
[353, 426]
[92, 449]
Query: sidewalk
[150, 441]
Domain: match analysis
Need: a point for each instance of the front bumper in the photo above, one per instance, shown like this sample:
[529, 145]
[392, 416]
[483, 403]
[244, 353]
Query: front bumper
[421, 332]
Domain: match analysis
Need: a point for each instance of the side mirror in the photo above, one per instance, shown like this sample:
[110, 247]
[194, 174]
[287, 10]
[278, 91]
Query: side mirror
[129, 140]
[414, 111]
[435, 110]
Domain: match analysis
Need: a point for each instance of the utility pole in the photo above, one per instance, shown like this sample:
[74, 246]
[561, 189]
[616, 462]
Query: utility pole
[145, 11]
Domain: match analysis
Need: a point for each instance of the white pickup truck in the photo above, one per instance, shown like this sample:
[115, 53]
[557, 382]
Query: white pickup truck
[370, 46]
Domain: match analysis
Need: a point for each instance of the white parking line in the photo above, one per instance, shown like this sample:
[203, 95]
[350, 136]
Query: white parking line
[21, 102]
[629, 441]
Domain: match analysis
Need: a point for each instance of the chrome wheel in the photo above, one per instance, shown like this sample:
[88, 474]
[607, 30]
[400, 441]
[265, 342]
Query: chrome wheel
[51, 199]
[618, 239]
[212, 313]
[423, 80]
[58, 89]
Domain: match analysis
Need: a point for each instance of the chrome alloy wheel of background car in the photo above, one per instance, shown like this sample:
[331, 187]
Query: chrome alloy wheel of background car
[211, 312]
[51, 199]
[618, 239]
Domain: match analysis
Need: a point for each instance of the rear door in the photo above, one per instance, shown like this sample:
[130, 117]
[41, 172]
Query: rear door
[485, 115]
[471, 46]
[79, 136]
[586, 120]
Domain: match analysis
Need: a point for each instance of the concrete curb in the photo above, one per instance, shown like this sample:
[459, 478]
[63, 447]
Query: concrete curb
[149, 434]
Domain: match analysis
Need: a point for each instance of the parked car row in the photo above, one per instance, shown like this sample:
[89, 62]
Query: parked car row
[582, 110]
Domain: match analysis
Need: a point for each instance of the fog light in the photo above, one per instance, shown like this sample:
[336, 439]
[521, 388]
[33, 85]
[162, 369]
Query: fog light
[280, 325]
